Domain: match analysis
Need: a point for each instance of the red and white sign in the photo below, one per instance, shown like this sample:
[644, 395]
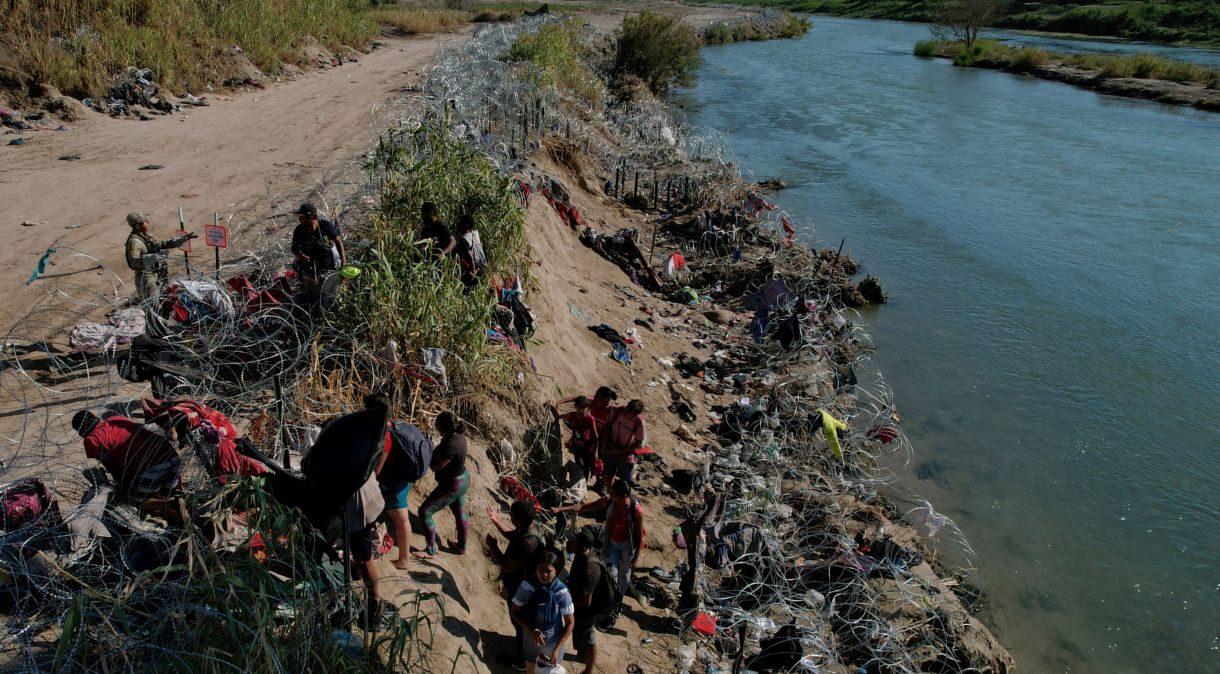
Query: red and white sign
[216, 236]
[185, 246]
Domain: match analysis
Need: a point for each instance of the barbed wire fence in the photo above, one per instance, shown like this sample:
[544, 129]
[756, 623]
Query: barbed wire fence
[850, 606]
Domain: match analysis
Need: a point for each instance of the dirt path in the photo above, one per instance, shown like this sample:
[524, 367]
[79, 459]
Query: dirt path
[223, 155]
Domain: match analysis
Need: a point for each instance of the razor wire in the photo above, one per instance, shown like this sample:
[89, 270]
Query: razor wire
[494, 104]
[498, 106]
[231, 355]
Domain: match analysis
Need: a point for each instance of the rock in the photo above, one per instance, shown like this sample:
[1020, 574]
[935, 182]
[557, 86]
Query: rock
[720, 316]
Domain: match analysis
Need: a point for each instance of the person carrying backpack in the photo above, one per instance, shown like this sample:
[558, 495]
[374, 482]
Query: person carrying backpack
[624, 520]
[624, 533]
[593, 591]
[543, 608]
[514, 561]
[408, 454]
[452, 483]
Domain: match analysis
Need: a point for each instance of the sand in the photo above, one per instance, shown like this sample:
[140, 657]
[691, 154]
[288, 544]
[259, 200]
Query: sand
[223, 157]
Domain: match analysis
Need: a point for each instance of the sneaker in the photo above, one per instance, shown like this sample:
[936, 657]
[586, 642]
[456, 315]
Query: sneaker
[512, 661]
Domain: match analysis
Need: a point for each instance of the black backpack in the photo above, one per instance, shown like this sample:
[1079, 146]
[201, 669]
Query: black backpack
[606, 595]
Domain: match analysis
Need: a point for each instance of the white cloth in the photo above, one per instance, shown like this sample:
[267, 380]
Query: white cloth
[434, 363]
[476, 247]
[124, 325]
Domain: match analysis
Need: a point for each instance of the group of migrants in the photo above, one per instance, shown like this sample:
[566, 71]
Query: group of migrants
[317, 247]
[144, 460]
[548, 605]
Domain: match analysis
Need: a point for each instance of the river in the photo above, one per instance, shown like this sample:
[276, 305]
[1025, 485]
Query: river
[1052, 258]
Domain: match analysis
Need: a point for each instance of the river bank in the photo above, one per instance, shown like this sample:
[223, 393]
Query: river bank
[739, 412]
[1139, 76]
[858, 586]
[1186, 22]
[982, 260]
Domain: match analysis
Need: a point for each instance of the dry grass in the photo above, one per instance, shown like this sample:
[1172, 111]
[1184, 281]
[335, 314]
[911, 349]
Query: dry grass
[412, 21]
[81, 45]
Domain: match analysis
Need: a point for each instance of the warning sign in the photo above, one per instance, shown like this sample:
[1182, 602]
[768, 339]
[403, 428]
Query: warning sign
[216, 236]
[185, 246]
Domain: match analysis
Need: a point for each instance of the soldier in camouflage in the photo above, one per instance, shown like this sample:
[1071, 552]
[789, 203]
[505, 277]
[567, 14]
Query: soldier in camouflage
[147, 257]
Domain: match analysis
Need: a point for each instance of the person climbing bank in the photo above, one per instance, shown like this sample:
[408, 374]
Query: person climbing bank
[544, 610]
[452, 483]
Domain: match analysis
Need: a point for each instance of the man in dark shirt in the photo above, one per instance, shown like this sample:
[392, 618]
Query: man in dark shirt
[436, 230]
[514, 564]
[583, 578]
[312, 241]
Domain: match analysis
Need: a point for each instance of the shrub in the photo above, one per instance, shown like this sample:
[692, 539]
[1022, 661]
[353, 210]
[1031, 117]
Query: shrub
[717, 33]
[927, 48]
[556, 49]
[1027, 58]
[658, 49]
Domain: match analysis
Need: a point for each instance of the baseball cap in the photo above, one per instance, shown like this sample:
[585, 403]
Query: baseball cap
[134, 219]
[582, 538]
[307, 209]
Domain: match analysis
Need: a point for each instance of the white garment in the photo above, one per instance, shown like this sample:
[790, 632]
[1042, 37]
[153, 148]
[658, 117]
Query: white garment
[476, 247]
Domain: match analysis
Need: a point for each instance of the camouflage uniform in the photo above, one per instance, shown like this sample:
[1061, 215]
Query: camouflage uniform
[150, 275]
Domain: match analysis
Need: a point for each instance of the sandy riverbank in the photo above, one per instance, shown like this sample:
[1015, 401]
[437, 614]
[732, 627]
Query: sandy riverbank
[239, 147]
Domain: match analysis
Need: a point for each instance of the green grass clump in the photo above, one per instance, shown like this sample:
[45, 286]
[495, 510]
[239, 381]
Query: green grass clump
[927, 48]
[782, 25]
[1028, 58]
[406, 295]
[1143, 66]
[81, 45]
[556, 49]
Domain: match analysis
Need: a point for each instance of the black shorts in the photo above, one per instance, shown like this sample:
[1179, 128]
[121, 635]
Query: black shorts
[361, 543]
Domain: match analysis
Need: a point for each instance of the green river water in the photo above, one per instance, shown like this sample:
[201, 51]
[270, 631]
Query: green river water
[1052, 257]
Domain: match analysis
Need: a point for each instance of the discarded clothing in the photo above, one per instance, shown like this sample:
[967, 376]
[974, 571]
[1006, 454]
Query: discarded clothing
[41, 267]
[434, 363]
[124, 326]
[831, 427]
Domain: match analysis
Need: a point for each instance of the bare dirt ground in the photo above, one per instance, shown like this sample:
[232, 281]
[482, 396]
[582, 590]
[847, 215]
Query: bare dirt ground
[227, 156]
[214, 158]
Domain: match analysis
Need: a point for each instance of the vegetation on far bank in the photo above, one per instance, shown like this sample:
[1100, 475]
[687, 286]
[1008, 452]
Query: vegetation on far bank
[1023, 59]
[1192, 21]
[768, 25]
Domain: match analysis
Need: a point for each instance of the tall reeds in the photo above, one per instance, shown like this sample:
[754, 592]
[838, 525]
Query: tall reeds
[405, 294]
[80, 45]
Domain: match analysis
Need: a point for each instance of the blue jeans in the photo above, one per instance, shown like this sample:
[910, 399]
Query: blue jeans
[620, 557]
